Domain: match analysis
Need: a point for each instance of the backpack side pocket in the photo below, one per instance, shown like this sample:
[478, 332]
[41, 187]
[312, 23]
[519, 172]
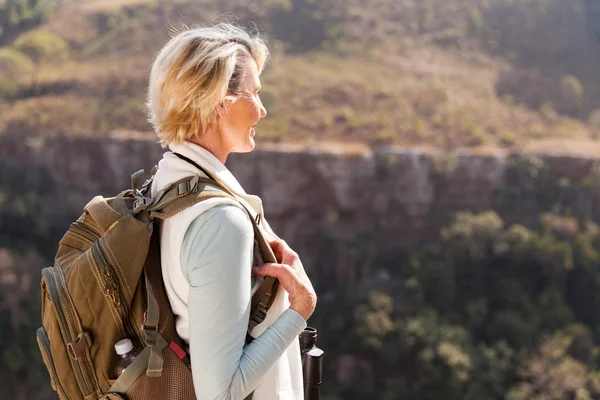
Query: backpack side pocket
[44, 343]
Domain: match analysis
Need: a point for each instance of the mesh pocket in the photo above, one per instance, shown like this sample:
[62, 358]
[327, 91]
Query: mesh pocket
[174, 384]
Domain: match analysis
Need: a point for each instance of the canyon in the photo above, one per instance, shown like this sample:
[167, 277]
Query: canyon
[341, 208]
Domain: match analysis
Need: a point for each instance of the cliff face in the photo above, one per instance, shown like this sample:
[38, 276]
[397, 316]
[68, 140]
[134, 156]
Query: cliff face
[340, 211]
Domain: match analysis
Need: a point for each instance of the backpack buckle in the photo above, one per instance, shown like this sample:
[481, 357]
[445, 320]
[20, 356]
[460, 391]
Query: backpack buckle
[259, 316]
[136, 180]
[79, 345]
[150, 333]
[141, 203]
[183, 189]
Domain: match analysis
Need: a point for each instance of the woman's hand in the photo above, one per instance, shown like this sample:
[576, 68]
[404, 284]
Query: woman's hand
[292, 277]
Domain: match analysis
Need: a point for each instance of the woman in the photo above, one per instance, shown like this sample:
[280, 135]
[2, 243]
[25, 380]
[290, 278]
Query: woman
[204, 104]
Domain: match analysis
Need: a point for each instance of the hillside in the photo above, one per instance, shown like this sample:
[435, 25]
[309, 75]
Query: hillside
[474, 73]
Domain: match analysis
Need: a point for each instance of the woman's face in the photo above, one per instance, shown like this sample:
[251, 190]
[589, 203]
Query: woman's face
[238, 122]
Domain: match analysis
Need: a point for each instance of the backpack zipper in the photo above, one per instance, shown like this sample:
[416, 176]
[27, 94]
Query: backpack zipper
[87, 367]
[61, 307]
[84, 231]
[110, 281]
[44, 343]
[112, 288]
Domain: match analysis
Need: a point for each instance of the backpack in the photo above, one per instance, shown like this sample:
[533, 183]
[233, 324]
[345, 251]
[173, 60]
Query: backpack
[106, 285]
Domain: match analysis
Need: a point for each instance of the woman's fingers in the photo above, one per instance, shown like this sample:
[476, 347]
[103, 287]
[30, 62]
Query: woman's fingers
[286, 275]
[283, 253]
[276, 243]
[272, 269]
[302, 295]
[277, 248]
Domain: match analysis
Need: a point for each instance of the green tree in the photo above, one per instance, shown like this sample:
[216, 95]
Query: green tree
[13, 66]
[549, 373]
[42, 47]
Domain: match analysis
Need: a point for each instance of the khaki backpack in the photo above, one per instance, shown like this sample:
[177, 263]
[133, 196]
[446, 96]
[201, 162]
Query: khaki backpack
[106, 285]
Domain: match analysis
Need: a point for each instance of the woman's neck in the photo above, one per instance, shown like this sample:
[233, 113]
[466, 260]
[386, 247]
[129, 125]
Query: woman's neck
[213, 144]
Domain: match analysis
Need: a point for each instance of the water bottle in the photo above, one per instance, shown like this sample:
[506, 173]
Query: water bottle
[312, 364]
[124, 349]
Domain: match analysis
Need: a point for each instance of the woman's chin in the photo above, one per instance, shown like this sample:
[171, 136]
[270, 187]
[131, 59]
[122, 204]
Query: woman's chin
[246, 147]
[251, 139]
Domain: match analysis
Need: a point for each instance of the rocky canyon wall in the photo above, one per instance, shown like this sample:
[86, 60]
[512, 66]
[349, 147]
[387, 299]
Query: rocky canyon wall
[340, 209]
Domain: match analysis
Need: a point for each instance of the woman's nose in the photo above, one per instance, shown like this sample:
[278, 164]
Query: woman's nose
[263, 110]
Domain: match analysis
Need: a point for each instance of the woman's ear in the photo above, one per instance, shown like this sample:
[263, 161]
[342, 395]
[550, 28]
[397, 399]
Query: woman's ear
[220, 109]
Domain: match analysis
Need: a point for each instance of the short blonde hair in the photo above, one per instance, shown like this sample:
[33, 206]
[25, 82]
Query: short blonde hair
[193, 73]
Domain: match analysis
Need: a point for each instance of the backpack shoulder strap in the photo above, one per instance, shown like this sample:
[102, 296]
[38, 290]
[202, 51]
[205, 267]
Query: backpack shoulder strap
[181, 194]
[195, 164]
[186, 192]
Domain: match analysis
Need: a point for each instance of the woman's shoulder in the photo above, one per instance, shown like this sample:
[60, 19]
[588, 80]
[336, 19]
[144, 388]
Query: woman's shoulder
[217, 227]
[222, 217]
[215, 235]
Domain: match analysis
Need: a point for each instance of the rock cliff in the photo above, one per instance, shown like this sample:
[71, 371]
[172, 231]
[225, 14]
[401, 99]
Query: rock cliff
[340, 209]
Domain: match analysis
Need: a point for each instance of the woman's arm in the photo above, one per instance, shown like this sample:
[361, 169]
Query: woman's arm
[216, 259]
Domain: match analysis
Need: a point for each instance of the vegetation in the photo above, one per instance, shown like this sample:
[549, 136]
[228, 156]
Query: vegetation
[41, 47]
[411, 72]
[484, 311]
[13, 66]
[28, 236]
[487, 312]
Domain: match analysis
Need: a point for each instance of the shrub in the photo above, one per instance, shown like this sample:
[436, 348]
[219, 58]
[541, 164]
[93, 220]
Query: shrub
[42, 46]
[594, 123]
[572, 91]
[508, 139]
[13, 62]
[13, 65]
[478, 136]
[9, 87]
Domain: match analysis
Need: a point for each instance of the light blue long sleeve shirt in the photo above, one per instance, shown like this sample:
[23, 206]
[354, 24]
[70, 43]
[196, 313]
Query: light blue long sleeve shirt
[216, 258]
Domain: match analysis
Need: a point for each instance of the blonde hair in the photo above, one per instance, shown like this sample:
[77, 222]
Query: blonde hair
[196, 71]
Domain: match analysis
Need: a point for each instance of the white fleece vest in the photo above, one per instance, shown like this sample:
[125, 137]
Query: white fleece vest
[284, 380]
